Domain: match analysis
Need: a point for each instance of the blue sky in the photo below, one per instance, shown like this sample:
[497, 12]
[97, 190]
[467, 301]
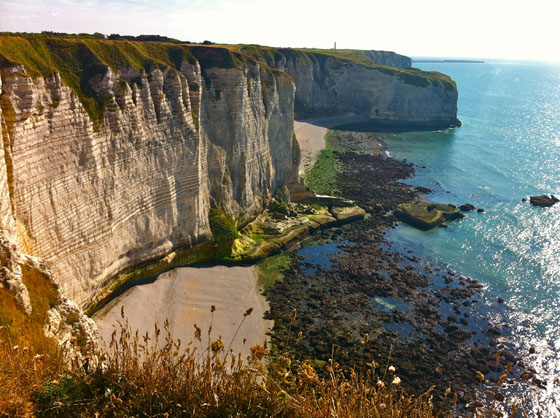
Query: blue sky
[476, 28]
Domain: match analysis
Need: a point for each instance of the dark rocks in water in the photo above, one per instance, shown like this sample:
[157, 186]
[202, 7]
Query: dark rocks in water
[500, 300]
[423, 190]
[544, 201]
[451, 328]
[523, 200]
[532, 350]
[467, 207]
[480, 210]
[422, 327]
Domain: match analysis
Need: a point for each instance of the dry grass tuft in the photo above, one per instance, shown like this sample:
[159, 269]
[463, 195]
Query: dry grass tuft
[139, 375]
[23, 372]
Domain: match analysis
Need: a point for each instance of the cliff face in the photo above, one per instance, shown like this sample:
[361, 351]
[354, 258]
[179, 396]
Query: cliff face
[94, 197]
[335, 82]
[327, 86]
[113, 152]
[388, 58]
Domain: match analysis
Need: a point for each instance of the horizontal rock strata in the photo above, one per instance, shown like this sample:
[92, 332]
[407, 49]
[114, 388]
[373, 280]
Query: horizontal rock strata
[95, 197]
[327, 85]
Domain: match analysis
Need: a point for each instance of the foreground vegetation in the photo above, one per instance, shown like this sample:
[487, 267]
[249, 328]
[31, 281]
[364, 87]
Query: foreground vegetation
[158, 376]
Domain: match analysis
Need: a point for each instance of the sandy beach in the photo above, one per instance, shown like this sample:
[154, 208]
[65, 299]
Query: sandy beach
[310, 134]
[184, 296]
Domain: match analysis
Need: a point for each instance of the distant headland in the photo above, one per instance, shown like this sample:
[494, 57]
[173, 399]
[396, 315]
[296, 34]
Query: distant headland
[451, 61]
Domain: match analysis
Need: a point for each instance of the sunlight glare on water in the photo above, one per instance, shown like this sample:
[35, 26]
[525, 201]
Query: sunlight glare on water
[507, 149]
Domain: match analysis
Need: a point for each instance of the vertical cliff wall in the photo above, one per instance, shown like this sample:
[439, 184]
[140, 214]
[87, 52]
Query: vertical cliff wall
[92, 193]
[337, 82]
[329, 86]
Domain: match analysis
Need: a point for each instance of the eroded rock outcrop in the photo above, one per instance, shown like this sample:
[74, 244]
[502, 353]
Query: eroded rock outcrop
[544, 201]
[29, 284]
[427, 215]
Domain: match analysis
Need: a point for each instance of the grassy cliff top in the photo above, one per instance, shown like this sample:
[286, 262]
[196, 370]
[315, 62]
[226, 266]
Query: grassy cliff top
[79, 58]
[413, 76]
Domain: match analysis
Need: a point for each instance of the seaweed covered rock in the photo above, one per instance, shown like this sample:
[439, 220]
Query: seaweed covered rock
[426, 215]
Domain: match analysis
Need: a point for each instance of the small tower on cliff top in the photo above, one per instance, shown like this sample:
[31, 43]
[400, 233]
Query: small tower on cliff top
[335, 45]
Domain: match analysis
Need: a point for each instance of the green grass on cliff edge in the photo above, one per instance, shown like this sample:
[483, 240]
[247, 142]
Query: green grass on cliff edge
[78, 60]
[412, 76]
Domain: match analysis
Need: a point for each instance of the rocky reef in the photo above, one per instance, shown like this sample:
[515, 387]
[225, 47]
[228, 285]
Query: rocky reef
[114, 152]
[544, 201]
[426, 215]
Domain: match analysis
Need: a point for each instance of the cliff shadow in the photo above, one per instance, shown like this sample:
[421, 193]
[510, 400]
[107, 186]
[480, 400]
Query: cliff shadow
[394, 127]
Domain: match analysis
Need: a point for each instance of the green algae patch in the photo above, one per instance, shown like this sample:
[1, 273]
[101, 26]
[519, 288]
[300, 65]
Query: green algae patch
[426, 215]
[271, 269]
[222, 226]
[322, 177]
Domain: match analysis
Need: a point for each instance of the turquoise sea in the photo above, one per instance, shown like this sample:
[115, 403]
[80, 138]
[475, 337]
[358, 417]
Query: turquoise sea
[507, 149]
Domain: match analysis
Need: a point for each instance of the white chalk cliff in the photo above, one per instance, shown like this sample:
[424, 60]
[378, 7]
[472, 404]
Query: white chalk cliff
[84, 196]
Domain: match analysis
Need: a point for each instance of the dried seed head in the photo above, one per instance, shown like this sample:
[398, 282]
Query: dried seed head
[217, 346]
[396, 380]
[212, 308]
[248, 312]
[197, 332]
[366, 338]
[392, 369]
[498, 354]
